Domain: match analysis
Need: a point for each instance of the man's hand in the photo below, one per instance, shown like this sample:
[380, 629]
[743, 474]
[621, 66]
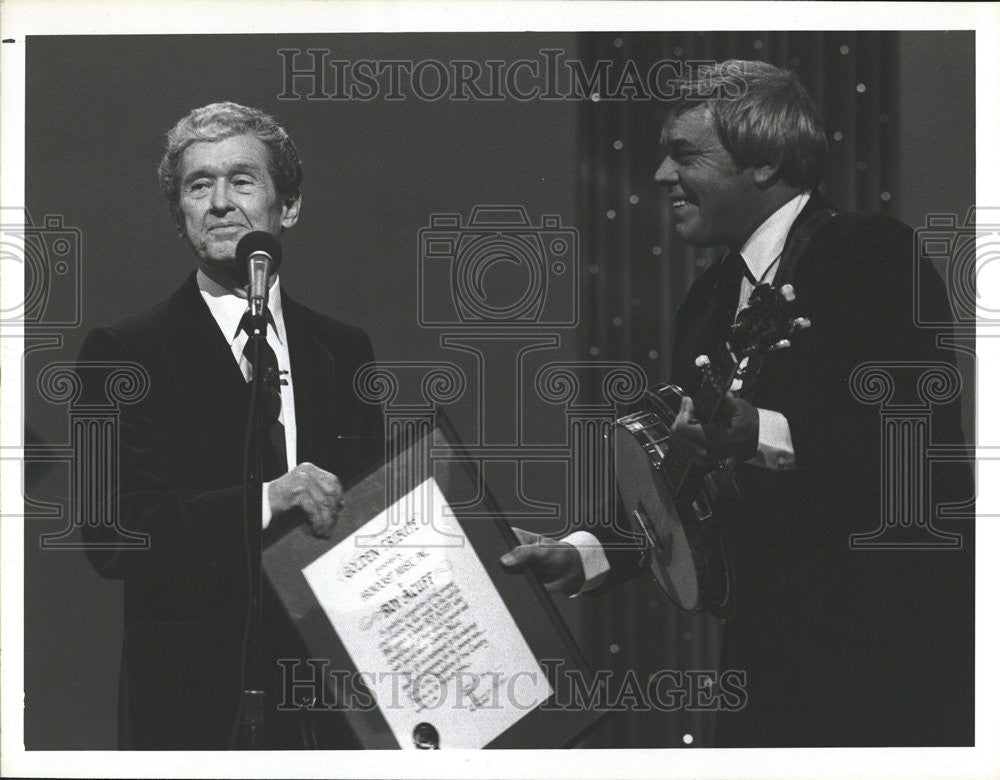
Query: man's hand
[735, 432]
[557, 564]
[310, 491]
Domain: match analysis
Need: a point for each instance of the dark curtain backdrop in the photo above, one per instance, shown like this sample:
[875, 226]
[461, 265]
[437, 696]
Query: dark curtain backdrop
[636, 273]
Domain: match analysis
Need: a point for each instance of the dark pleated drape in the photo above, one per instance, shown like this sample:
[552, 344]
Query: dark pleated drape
[635, 274]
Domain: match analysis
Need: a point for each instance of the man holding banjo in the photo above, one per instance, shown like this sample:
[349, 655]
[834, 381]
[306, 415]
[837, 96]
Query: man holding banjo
[841, 646]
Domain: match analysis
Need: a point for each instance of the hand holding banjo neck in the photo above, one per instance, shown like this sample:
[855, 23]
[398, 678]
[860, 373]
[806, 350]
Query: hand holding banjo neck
[671, 502]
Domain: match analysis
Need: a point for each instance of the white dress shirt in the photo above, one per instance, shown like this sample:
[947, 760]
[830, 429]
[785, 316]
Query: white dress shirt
[227, 309]
[762, 252]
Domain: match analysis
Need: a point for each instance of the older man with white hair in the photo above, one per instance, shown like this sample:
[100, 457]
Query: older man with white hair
[227, 170]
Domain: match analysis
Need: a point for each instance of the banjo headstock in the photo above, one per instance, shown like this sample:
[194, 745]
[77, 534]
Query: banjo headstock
[767, 324]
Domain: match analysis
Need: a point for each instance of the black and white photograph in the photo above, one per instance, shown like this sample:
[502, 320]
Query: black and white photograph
[491, 380]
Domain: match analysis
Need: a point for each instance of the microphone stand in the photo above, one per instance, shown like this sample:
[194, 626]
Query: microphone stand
[253, 701]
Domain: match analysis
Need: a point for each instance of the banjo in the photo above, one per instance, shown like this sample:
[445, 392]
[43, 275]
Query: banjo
[673, 504]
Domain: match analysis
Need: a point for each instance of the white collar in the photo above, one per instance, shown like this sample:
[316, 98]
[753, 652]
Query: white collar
[765, 244]
[228, 308]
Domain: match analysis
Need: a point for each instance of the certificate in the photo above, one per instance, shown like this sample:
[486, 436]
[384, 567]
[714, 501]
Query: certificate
[426, 626]
[427, 640]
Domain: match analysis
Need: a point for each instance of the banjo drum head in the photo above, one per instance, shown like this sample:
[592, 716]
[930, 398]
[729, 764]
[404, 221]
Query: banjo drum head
[642, 488]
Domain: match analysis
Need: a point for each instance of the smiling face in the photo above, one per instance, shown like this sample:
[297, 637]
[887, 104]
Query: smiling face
[226, 191]
[715, 202]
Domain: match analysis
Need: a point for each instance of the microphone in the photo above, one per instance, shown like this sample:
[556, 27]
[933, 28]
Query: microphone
[259, 253]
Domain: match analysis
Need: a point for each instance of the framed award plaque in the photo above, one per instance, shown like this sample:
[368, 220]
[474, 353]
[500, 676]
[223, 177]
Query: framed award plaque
[430, 642]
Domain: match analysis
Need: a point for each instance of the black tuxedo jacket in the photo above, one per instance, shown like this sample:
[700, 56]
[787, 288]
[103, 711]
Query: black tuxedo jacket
[181, 451]
[841, 646]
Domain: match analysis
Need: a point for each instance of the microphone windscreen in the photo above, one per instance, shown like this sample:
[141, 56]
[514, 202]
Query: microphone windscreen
[258, 241]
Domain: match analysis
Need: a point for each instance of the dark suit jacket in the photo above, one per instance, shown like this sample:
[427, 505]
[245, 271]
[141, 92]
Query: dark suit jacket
[181, 483]
[841, 646]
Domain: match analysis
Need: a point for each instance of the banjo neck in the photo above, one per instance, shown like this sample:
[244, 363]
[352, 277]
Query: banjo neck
[710, 388]
[762, 327]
